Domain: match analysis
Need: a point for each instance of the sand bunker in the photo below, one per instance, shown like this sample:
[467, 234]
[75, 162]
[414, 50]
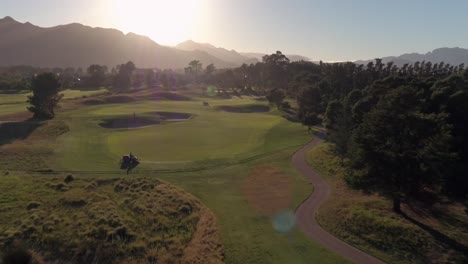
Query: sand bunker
[116, 99]
[143, 121]
[172, 116]
[129, 122]
[245, 108]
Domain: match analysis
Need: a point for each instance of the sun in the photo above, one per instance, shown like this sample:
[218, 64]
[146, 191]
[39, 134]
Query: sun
[167, 22]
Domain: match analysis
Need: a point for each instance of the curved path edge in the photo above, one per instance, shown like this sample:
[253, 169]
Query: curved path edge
[307, 211]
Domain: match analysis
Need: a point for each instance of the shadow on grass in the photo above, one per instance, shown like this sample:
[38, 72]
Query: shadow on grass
[11, 131]
[442, 238]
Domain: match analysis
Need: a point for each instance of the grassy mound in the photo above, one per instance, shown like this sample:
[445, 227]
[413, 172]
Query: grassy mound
[166, 96]
[11, 131]
[138, 220]
[245, 108]
[29, 148]
[119, 99]
[426, 235]
[93, 102]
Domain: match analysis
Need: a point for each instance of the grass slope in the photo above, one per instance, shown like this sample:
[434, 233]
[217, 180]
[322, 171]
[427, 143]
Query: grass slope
[14, 103]
[368, 222]
[103, 220]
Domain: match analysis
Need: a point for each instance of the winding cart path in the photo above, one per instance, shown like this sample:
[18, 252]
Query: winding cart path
[306, 212]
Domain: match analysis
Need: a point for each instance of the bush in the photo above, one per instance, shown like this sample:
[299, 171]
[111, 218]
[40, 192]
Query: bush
[18, 256]
[285, 105]
[33, 205]
[69, 178]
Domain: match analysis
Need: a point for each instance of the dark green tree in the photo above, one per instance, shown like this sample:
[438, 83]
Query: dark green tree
[210, 69]
[276, 96]
[193, 70]
[275, 70]
[333, 112]
[310, 104]
[97, 75]
[400, 149]
[149, 78]
[45, 97]
[123, 79]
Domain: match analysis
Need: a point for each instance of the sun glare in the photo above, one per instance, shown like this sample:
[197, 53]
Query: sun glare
[167, 22]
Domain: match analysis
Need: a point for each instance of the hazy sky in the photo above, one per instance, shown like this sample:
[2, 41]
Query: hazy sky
[328, 30]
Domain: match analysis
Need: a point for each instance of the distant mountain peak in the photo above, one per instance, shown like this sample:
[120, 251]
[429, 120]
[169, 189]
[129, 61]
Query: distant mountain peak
[454, 56]
[77, 45]
[221, 53]
[8, 19]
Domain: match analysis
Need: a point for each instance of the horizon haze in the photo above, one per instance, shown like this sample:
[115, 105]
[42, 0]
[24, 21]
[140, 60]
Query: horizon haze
[320, 30]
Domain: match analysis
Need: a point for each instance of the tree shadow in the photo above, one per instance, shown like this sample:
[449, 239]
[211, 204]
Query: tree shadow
[11, 131]
[442, 238]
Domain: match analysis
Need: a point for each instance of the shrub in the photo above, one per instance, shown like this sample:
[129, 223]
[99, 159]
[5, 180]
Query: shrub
[33, 205]
[69, 178]
[18, 256]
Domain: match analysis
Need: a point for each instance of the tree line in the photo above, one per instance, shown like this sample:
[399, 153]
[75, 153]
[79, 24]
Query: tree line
[400, 131]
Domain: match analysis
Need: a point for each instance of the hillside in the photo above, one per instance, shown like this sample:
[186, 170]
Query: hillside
[453, 56]
[256, 55]
[221, 53]
[76, 45]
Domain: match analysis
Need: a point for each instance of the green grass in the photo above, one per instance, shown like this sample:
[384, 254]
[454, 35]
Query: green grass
[248, 235]
[14, 103]
[368, 222]
[211, 137]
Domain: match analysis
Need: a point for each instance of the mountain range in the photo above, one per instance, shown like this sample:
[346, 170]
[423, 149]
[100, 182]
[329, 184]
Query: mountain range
[76, 45]
[453, 56]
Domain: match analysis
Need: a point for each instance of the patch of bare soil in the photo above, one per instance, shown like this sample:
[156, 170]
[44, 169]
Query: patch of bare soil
[268, 190]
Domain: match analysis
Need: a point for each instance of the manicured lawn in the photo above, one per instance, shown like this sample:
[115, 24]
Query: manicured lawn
[14, 103]
[236, 194]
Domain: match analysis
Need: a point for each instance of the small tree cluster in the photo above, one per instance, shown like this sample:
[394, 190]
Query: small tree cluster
[45, 97]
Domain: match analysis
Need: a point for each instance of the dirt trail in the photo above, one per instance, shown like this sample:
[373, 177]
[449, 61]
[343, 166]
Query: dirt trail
[306, 212]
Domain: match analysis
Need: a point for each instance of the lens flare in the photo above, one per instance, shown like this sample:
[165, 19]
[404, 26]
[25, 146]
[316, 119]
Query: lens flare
[284, 222]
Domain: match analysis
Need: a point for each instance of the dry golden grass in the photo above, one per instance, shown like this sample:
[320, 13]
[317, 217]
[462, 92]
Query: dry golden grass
[115, 220]
[206, 240]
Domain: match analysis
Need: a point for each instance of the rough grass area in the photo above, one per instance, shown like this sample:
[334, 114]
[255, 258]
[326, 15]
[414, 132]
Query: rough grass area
[254, 108]
[30, 146]
[428, 235]
[114, 220]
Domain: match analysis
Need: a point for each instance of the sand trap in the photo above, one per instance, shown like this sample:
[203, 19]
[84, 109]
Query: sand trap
[115, 99]
[172, 116]
[245, 108]
[143, 121]
[129, 122]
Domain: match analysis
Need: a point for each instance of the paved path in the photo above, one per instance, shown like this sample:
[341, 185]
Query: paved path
[306, 212]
